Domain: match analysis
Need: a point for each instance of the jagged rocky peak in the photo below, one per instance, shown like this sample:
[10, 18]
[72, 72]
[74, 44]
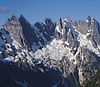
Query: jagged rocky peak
[49, 27]
[59, 29]
[13, 17]
[13, 21]
[73, 54]
[12, 25]
[62, 28]
[73, 22]
[93, 31]
[59, 26]
[48, 21]
[46, 29]
[60, 23]
[14, 28]
[68, 19]
[28, 32]
[60, 19]
[22, 18]
[88, 18]
[23, 21]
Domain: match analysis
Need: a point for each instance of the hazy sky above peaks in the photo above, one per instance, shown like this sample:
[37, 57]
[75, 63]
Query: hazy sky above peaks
[38, 10]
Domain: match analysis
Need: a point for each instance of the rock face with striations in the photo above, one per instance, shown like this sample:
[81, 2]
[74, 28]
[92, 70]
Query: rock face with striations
[82, 37]
[65, 32]
[14, 28]
[90, 28]
[29, 36]
[28, 32]
[76, 52]
[71, 48]
[46, 30]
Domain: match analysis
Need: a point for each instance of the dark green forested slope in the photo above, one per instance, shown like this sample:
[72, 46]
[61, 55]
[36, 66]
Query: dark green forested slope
[93, 82]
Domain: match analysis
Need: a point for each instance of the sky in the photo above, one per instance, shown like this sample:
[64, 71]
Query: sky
[38, 10]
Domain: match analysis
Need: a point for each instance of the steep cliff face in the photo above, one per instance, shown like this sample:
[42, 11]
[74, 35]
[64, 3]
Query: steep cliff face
[68, 47]
[90, 28]
[19, 68]
[78, 52]
[28, 36]
[28, 32]
[83, 37]
[14, 28]
[45, 30]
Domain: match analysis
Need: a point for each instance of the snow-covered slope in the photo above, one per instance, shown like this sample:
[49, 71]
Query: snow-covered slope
[10, 50]
[58, 48]
[54, 50]
[70, 47]
[71, 44]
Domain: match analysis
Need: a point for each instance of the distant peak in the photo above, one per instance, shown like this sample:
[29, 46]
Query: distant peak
[13, 17]
[68, 19]
[22, 17]
[47, 21]
[89, 18]
[60, 23]
[23, 20]
[60, 19]
[92, 18]
[12, 21]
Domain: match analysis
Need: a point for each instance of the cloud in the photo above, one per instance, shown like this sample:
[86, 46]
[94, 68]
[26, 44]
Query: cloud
[4, 10]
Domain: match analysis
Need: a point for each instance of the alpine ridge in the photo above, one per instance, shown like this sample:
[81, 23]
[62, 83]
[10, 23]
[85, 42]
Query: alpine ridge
[61, 54]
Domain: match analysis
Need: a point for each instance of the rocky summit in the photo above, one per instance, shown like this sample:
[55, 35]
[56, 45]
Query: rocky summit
[61, 54]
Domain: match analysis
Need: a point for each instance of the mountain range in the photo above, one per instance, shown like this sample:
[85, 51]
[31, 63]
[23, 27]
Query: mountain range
[61, 54]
